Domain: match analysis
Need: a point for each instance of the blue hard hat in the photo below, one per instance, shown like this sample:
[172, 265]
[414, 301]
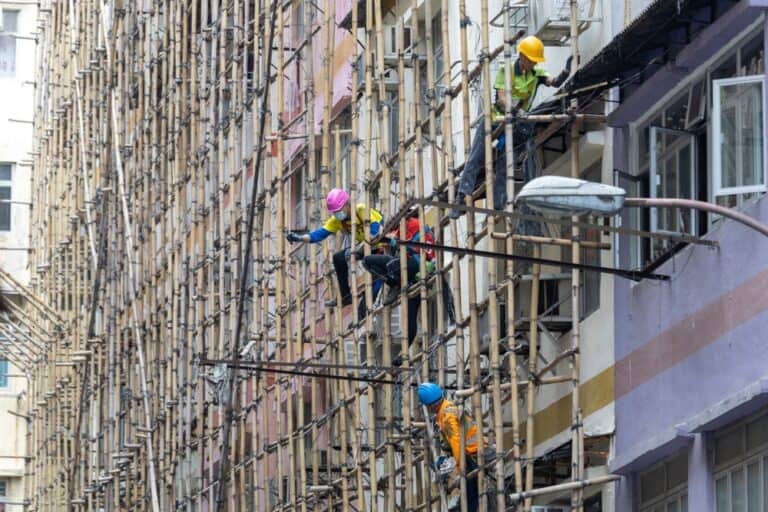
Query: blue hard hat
[429, 393]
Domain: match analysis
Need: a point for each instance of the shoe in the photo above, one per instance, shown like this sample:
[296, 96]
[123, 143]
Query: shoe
[346, 300]
[455, 213]
[392, 295]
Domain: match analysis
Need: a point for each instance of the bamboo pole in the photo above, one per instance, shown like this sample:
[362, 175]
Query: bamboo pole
[577, 431]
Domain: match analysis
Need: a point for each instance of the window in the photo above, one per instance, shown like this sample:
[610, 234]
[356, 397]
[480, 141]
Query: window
[672, 174]
[590, 286]
[3, 488]
[705, 142]
[6, 175]
[738, 162]
[741, 462]
[3, 374]
[8, 43]
[664, 488]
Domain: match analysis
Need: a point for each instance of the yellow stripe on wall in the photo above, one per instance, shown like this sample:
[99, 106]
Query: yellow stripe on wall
[594, 394]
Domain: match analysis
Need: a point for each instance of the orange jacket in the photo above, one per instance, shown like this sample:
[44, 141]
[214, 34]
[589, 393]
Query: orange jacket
[448, 420]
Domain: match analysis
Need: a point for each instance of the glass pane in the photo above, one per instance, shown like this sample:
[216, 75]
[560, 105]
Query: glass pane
[729, 446]
[752, 57]
[757, 433]
[652, 484]
[5, 172]
[721, 495]
[765, 483]
[3, 373]
[685, 186]
[7, 56]
[672, 507]
[677, 470]
[741, 135]
[738, 491]
[684, 503]
[674, 114]
[10, 21]
[753, 488]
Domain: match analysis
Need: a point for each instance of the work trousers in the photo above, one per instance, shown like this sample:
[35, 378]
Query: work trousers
[341, 266]
[387, 269]
[474, 168]
[473, 497]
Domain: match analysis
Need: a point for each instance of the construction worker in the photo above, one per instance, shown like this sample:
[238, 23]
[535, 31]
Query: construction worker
[451, 420]
[386, 267]
[337, 203]
[527, 75]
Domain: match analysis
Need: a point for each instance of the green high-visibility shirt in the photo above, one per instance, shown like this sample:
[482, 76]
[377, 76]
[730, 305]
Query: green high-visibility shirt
[524, 85]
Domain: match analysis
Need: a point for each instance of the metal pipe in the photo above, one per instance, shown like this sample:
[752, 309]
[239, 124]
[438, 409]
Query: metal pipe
[642, 202]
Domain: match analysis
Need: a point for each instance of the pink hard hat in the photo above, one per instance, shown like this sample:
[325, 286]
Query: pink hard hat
[336, 199]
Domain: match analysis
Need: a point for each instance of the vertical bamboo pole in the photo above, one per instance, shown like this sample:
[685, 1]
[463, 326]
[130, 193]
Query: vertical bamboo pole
[408, 459]
[509, 57]
[577, 430]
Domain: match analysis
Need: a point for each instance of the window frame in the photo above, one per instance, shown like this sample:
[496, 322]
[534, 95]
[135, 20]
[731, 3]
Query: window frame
[716, 169]
[11, 35]
[675, 494]
[5, 369]
[728, 470]
[9, 205]
[653, 174]
[743, 460]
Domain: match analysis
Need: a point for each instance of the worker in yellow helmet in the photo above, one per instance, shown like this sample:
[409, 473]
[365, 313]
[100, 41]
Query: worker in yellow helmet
[527, 75]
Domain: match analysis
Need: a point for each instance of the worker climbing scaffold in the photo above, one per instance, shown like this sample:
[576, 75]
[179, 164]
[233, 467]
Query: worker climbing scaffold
[338, 205]
[452, 421]
[527, 75]
[385, 267]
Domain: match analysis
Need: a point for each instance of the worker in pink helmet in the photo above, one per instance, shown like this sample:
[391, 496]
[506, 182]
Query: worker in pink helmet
[337, 202]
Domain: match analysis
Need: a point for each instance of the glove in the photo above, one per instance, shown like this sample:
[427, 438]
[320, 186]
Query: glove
[564, 74]
[445, 465]
[293, 237]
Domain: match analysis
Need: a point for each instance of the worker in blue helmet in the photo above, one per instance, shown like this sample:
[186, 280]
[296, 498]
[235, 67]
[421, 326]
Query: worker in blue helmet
[448, 416]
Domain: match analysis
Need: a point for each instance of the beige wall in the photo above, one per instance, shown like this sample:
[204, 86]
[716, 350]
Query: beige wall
[16, 108]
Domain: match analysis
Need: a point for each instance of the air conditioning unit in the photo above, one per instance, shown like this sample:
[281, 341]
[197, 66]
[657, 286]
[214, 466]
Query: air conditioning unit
[390, 44]
[550, 508]
[551, 19]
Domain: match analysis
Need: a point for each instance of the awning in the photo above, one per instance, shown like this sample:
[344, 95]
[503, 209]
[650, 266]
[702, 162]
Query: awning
[655, 37]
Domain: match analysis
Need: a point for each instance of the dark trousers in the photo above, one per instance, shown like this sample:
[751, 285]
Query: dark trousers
[474, 168]
[342, 272]
[341, 266]
[387, 269]
[473, 497]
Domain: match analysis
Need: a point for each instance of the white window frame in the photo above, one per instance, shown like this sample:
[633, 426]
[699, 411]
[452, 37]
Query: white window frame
[760, 457]
[716, 167]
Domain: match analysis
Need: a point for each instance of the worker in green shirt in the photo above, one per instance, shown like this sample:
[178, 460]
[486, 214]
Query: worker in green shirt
[527, 75]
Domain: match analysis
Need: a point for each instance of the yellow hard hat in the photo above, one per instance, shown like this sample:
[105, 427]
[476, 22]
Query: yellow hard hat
[532, 47]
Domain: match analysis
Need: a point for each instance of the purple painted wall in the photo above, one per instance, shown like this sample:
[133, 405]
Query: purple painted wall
[685, 345]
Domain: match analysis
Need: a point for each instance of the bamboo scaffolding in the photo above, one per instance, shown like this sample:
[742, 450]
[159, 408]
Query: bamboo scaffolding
[139, 305]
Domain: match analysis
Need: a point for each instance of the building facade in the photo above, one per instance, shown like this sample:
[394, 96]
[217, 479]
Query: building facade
[690, 402]
[17, 95]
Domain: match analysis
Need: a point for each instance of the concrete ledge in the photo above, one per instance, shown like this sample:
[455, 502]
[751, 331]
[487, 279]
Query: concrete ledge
[739, 405]
[652, 450]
